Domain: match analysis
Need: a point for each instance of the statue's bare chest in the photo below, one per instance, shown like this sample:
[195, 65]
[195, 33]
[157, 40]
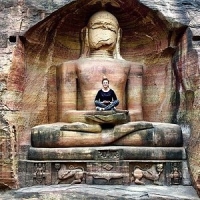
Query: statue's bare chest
[96, 69]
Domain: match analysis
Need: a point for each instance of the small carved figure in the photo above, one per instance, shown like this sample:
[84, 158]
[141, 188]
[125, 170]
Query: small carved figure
[76, 172]
[151, 174]
[175, 176]
[39, 175]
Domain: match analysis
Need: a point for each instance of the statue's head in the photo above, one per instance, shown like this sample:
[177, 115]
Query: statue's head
[159, 167]
[103, 17]
[101, 32]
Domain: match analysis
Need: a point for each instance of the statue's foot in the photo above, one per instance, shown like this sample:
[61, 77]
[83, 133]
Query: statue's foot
[138, 182]
[120, 111]
[79, 126]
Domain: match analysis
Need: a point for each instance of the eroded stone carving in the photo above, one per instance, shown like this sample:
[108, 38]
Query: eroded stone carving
[39, 175]
[175, 175]
[77, 173]
[107, 167]
[106, 175]
[78, 83]
[152, 173]
[108, 155]
[102, 172]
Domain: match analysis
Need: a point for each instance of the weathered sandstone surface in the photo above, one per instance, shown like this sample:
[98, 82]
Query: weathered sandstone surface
[35, 36]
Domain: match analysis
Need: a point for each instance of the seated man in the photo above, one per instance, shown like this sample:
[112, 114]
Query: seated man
[106, 98]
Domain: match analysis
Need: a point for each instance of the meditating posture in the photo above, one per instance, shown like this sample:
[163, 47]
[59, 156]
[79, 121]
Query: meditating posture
[78, 82]
[106, 98]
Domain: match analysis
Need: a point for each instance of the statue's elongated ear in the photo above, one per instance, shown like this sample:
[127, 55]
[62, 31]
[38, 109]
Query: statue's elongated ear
[84, 43]
[116, 53]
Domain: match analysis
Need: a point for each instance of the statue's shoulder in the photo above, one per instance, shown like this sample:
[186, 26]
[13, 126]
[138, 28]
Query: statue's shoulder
[136, 68]
[136, 65]
[131, 63]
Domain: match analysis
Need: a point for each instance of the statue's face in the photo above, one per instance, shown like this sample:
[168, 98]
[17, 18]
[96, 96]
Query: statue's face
[159, 167]
[102, 33]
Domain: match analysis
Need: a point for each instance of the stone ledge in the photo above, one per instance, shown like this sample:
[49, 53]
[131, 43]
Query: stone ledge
[91, 153]
[72, 192]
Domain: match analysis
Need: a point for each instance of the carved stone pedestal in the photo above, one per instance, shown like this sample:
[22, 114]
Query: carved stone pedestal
[105, 165]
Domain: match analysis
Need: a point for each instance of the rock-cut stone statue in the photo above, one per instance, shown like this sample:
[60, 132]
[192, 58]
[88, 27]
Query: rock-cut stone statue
[78, 82]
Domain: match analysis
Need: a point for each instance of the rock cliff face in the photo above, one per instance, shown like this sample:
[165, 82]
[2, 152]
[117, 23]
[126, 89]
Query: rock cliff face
[35, 36]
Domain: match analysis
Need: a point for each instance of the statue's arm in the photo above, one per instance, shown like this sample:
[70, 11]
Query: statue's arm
[67, 88]
[134, 96]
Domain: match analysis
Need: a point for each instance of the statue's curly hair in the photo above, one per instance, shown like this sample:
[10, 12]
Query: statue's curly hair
[85, 48]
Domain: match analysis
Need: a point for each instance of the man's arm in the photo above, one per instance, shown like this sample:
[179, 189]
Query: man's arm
[97, 98]
[114, 97]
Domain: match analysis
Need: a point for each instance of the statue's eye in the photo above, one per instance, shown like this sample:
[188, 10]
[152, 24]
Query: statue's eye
[96, 26]
[110, 27]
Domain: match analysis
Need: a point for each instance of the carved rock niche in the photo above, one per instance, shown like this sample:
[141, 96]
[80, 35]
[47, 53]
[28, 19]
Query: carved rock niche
[146, 38]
